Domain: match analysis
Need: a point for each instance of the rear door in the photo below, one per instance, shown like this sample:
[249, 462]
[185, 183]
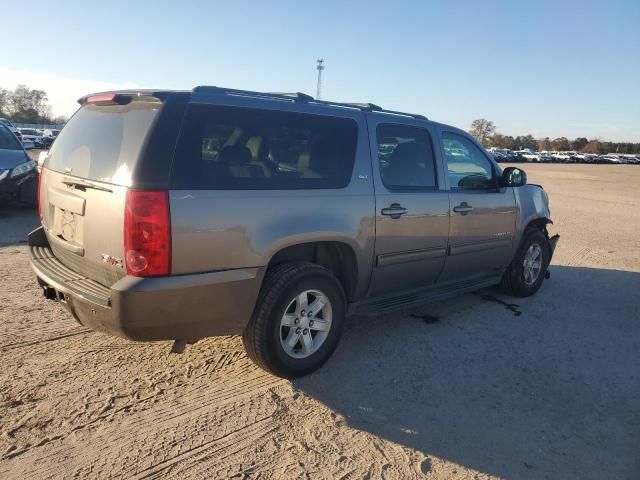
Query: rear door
[412, 208]
[84, 185]
[483, 217]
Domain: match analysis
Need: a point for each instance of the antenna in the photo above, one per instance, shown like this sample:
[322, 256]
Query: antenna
[320, 68]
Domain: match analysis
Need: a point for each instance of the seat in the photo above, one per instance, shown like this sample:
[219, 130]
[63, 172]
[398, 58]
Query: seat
[259, 148]
[236, 161]
[323, 161]
[406, 166]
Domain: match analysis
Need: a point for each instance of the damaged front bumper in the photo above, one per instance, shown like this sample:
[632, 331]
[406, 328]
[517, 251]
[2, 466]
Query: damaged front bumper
[553, 241]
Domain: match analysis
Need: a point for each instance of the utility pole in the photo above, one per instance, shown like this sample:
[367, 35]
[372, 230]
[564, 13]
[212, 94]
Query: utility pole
[320, 68]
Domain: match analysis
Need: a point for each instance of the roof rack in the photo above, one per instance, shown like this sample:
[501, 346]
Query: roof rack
[299, 97]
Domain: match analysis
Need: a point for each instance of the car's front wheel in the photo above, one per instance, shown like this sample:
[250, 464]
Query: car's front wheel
[298, 320]
[527, 270]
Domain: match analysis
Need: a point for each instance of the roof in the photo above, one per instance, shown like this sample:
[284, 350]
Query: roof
[297, 97]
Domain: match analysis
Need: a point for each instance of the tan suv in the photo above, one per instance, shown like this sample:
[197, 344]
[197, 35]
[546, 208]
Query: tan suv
[173, 215]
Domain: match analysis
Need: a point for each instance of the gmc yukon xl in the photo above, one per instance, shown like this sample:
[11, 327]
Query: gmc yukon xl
[176, 215]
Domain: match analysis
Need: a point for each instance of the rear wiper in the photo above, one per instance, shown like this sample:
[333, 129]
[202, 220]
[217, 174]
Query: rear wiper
[75, 182]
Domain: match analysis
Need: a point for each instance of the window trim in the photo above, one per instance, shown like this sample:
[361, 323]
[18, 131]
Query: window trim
[198, 107]
[494, 173]
[407, 188]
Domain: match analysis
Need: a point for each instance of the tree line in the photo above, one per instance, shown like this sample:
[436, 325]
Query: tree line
[485, 132]
[27, 105]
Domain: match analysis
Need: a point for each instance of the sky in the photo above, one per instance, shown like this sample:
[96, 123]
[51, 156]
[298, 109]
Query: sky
[546, 68]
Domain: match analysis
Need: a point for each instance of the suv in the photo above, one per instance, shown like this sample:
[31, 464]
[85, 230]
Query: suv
[172, 215]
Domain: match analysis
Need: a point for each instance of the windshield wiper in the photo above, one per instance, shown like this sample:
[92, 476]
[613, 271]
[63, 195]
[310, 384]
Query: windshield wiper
[74, 182]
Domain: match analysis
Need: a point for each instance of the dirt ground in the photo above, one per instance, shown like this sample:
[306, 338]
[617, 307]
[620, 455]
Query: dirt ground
[482, 386]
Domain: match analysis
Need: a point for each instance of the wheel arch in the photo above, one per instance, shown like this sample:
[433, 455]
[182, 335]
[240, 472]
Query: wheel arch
[338, 257]
[539, 223]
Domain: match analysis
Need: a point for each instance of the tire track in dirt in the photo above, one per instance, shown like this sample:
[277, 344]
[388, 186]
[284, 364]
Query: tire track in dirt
[79, 412]
[242, 388]
[12, 346]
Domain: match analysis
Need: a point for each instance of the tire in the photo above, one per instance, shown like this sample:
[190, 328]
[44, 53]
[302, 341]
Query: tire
[282, 290]
[513, 281]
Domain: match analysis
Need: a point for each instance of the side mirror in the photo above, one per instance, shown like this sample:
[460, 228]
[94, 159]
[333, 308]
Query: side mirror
[513, 177]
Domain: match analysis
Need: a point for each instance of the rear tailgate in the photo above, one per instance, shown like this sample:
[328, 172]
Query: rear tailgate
[84, 184]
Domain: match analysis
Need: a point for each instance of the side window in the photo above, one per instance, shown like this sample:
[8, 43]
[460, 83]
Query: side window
[228, 148]
[468, 168]
[406, 158]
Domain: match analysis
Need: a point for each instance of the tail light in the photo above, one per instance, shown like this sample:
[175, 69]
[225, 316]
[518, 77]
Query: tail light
[147, 234]
[40, 175]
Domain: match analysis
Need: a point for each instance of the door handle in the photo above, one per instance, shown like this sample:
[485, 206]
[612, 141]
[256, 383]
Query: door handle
[463, 208]
[394, 210]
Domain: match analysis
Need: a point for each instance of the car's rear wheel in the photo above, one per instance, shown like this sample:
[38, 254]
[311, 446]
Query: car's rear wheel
[298, 320]
[527, 270]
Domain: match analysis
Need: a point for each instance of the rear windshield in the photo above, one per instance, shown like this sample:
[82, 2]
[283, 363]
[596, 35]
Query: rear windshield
[103, 143]
[8, 140]
[241, 148]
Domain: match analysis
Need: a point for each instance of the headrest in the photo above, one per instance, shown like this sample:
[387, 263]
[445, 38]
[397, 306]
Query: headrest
[409, 153]
[235, 155]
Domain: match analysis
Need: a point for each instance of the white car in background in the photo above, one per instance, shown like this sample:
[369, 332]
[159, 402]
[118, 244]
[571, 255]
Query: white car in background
[611, 158]
[545, 156]
[529, 156]
[563, 157]
[32, 135]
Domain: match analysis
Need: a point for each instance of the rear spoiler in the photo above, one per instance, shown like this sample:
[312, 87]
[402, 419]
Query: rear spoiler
[123, 97]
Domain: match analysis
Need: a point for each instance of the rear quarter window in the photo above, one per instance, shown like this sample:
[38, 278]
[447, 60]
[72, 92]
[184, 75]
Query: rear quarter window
[103, 143]
[229, 148]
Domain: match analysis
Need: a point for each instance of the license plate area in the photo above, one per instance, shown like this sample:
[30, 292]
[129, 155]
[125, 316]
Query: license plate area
[68, 225]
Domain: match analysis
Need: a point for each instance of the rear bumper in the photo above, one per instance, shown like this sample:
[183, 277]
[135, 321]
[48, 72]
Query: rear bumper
[180, 307]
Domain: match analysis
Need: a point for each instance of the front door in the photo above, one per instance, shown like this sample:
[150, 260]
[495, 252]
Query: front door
[412, 211]
[483, 217]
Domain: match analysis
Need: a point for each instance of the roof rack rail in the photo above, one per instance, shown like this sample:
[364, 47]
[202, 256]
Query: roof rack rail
[300, 97]
[296, 97]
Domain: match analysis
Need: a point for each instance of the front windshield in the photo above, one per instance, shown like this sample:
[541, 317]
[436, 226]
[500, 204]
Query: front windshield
[8, 140]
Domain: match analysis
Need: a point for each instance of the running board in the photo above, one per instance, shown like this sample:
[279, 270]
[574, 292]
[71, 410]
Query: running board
[419, 296]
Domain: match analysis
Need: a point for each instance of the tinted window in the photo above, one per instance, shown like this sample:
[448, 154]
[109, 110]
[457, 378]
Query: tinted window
[468, 167]
[103, 142]
[406, 157]
[8, 140]
[236, 148]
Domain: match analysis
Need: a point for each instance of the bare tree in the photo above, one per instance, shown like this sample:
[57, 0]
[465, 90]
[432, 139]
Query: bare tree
[28, 105]
[594, 146]
[561, 144]
[4, 101]
[482, 129]
[544, 144]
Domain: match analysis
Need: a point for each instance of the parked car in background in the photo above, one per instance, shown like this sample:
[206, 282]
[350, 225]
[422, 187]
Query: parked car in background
[611, 158]
[18, 174]
[33, 135]
[562, 157]
[283, 215]
[501, 154]
[545, 156]
[529, 156]
[8, 124]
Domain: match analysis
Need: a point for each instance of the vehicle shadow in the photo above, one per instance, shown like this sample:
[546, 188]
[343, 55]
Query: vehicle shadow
[542, 387]
[16, 221]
